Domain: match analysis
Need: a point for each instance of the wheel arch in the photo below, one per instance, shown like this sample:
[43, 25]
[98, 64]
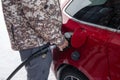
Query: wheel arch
[62, 67]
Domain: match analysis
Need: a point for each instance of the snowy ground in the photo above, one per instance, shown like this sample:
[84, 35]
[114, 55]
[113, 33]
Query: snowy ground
[10, 59]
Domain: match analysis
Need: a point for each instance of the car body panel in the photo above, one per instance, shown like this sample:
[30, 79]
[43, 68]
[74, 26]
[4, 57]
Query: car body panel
[114, 56]
[98, 60]
[92, 52]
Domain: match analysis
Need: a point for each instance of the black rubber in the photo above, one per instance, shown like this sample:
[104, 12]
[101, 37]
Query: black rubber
[72, 72]
[40, 52]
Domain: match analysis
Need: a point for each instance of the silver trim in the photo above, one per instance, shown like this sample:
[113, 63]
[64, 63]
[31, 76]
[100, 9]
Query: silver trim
[87, 23]
[71, 78]
[118, 31]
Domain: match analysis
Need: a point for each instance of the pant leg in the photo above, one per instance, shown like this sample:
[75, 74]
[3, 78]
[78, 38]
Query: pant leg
[38, 68]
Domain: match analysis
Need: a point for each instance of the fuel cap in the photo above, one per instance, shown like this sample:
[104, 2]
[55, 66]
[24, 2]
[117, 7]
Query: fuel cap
[75, 55]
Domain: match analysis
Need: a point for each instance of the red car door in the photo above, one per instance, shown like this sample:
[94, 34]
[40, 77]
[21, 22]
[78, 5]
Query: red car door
[114, 56]
[94, 56]
[99, 55]
[96, 53]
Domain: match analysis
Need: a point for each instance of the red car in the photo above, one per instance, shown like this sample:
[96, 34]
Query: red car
[94, 42]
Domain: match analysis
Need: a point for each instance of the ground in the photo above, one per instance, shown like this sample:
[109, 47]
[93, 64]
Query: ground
[10, 59]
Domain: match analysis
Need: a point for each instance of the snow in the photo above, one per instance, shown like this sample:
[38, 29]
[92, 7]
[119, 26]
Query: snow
[10, 59]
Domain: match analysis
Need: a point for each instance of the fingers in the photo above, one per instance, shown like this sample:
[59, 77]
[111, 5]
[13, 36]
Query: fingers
[64, 45]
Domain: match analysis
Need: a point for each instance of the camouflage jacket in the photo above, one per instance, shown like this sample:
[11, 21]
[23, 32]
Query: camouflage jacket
[32, 23]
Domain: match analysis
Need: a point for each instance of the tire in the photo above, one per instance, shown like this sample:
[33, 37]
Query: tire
[72, 74]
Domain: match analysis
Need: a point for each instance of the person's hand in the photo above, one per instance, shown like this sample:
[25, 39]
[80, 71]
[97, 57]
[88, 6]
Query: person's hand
[64, 45]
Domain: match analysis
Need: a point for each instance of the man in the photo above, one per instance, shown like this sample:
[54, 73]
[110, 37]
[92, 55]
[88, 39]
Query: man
[31, 24]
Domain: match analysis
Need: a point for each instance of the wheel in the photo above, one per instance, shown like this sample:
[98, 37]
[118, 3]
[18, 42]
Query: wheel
[72, 74]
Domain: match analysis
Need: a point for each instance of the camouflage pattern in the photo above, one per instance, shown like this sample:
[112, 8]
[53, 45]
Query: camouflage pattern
[32, 23]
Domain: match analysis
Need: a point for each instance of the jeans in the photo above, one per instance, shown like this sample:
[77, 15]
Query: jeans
[39, 67]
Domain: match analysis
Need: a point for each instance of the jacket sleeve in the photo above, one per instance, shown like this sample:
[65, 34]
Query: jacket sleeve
[44, 16]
